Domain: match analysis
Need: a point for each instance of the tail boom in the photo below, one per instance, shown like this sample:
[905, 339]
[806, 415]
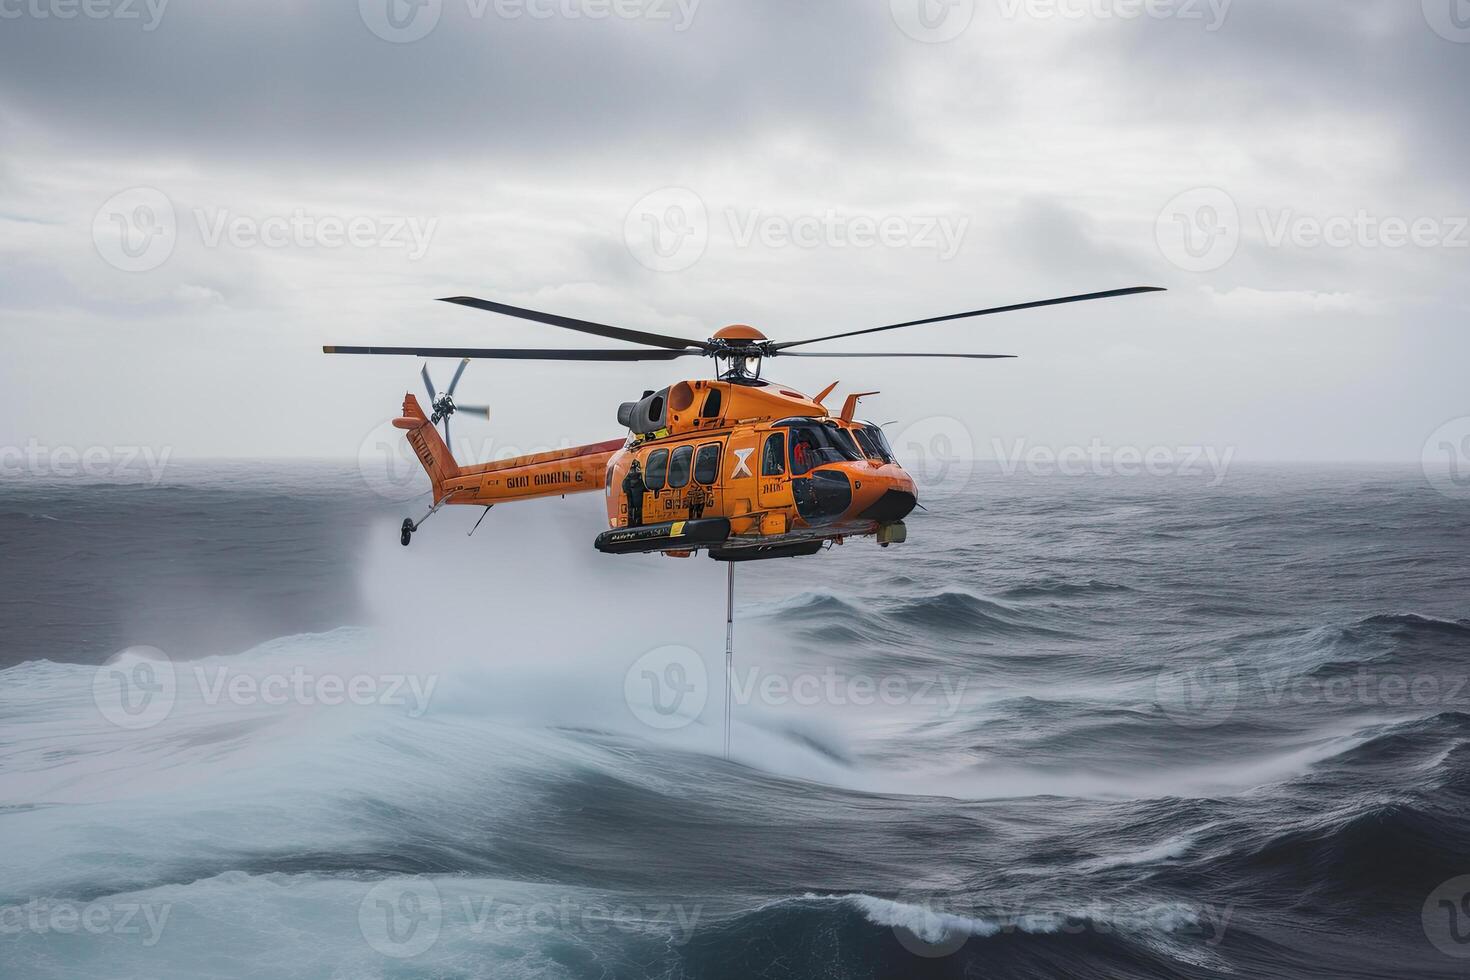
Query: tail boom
[580, 469]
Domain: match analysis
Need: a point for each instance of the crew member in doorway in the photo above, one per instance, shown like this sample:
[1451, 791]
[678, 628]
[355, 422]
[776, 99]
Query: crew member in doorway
[635, 488]
[803, 455]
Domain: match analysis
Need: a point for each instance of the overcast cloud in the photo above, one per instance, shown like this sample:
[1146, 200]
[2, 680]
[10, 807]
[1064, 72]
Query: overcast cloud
[1294, 172]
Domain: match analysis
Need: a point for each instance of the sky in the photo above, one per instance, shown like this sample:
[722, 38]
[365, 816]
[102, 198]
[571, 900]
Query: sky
[195, 195]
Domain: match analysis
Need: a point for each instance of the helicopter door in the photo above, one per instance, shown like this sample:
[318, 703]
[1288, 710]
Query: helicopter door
[775, 483]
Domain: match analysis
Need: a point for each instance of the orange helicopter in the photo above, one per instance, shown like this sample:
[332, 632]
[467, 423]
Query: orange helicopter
[737, 466]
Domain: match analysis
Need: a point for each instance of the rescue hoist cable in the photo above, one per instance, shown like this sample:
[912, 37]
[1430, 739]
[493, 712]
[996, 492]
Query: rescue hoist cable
[729, 647]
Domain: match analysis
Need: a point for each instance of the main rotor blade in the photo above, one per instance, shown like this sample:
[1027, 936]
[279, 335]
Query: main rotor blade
[483, 411]
[963, 316]
[582, 326]
[977, 357]
[458, 373]
[433, 395]
[519, 355]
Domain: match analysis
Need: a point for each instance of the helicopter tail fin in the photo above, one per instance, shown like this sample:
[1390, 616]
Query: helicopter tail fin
[427, 444]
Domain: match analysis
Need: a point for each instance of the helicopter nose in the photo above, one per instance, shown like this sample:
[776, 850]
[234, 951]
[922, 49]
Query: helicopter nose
[884, 494]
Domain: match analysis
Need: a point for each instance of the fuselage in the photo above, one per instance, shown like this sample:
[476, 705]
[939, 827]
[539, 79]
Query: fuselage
[777, 465]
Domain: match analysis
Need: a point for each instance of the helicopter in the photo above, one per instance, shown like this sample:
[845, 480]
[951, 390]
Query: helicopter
[736, 466]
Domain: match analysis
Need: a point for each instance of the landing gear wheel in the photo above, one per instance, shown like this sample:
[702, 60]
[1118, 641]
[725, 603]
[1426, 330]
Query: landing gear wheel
[406, 533]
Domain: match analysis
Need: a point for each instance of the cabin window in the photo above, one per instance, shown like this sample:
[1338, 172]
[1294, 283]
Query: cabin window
[870, 448]
[773, 461]
[679, 464]
[658, 466]
[707, 463]
[711, 408]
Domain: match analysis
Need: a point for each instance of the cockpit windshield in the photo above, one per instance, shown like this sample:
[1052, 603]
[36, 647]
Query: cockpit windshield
[816, 441]
[874, 442]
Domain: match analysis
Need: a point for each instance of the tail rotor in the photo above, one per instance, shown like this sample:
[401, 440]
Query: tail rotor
[444, 405]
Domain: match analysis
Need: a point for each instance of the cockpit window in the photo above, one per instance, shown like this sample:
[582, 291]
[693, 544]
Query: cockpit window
[870, 448]
[814, 443]
[880, 442]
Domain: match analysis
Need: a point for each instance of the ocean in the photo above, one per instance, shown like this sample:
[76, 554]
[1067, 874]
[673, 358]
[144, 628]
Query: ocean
[1077, 726]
